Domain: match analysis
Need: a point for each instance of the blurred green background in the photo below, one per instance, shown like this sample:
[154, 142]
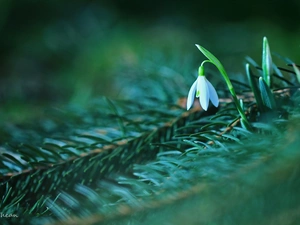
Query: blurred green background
[66, 52]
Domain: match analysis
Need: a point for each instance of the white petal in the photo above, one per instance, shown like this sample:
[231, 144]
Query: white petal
[191, 96]
[212, 94]
[204, 93]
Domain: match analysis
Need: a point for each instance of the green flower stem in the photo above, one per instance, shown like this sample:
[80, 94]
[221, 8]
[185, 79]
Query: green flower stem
[212, 59]
[201, 68]
[235, 99]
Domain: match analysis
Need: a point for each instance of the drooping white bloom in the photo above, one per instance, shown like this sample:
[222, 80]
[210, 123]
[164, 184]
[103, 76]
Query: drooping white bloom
[204, 91]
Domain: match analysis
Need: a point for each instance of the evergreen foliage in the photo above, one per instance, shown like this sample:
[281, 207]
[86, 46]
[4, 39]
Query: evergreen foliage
[149, 161]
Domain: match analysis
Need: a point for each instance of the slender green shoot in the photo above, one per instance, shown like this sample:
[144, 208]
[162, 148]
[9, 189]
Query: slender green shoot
[267, 62]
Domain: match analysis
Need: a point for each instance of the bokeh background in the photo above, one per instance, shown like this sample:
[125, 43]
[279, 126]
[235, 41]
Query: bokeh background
[59, 52]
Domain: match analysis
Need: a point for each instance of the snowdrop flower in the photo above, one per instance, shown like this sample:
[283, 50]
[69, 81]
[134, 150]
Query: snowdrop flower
[204, 91]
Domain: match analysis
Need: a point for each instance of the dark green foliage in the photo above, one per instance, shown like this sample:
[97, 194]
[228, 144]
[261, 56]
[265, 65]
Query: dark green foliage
[149, 161]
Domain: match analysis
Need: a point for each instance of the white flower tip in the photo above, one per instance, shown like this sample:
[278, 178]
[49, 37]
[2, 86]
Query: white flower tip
[205, 108]
[189, 103]
[215, 103]
[198, 46]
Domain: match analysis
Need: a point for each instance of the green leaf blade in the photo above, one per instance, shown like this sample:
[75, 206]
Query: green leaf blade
[266, 94]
